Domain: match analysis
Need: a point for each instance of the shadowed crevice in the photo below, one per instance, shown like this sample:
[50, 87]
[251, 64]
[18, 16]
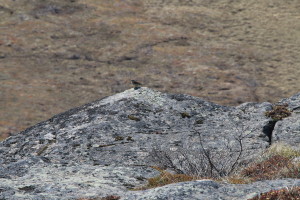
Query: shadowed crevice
[268, 129]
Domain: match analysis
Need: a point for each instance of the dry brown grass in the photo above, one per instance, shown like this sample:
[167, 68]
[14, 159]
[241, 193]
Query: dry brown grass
[276, 162]
[165, 178]
[275, 167]
[282, 150]
[236, 179]
[220, 57]
[110, 197]
[282, 194]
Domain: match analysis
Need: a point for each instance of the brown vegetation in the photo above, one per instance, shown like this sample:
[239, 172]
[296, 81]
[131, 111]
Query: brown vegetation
[165, 178]
[278, 112]
[111, 197]
[282, 194]
[277, 162]
[273, 168]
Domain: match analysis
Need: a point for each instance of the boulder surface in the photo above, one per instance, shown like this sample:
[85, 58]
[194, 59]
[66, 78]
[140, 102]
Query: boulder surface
[107, 147]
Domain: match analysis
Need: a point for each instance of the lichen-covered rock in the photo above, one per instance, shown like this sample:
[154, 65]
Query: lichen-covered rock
[65, 182]
[103, 148]
[287, 130]
[210, 190]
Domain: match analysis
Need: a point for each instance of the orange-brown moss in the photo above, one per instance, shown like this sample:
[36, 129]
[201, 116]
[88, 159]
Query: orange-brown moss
[284, 194]
[278, 112]
[274, 167]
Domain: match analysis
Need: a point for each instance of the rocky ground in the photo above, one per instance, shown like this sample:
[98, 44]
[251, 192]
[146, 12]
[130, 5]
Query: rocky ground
[58, 54]
[109, 147]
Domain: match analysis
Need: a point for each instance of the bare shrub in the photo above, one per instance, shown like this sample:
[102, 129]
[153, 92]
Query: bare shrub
[203, 162]
[213, 160]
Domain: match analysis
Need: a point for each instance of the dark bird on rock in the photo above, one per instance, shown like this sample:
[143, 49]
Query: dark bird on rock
[136, 84]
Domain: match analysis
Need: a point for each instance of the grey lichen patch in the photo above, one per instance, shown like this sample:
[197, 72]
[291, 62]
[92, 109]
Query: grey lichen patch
[77, 181]
[155, 98]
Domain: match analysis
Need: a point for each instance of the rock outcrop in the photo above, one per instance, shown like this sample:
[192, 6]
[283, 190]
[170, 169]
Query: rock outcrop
[106, 148]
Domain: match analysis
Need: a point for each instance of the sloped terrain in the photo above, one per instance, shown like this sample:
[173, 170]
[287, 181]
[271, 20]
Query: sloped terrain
[109, 147]
[58, 54]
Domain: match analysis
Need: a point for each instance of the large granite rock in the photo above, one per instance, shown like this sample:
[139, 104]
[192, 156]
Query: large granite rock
[210, 190]
[107, 147]
[288, 129]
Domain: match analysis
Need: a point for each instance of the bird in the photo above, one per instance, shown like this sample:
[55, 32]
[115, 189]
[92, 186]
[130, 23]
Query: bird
[136, 84]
